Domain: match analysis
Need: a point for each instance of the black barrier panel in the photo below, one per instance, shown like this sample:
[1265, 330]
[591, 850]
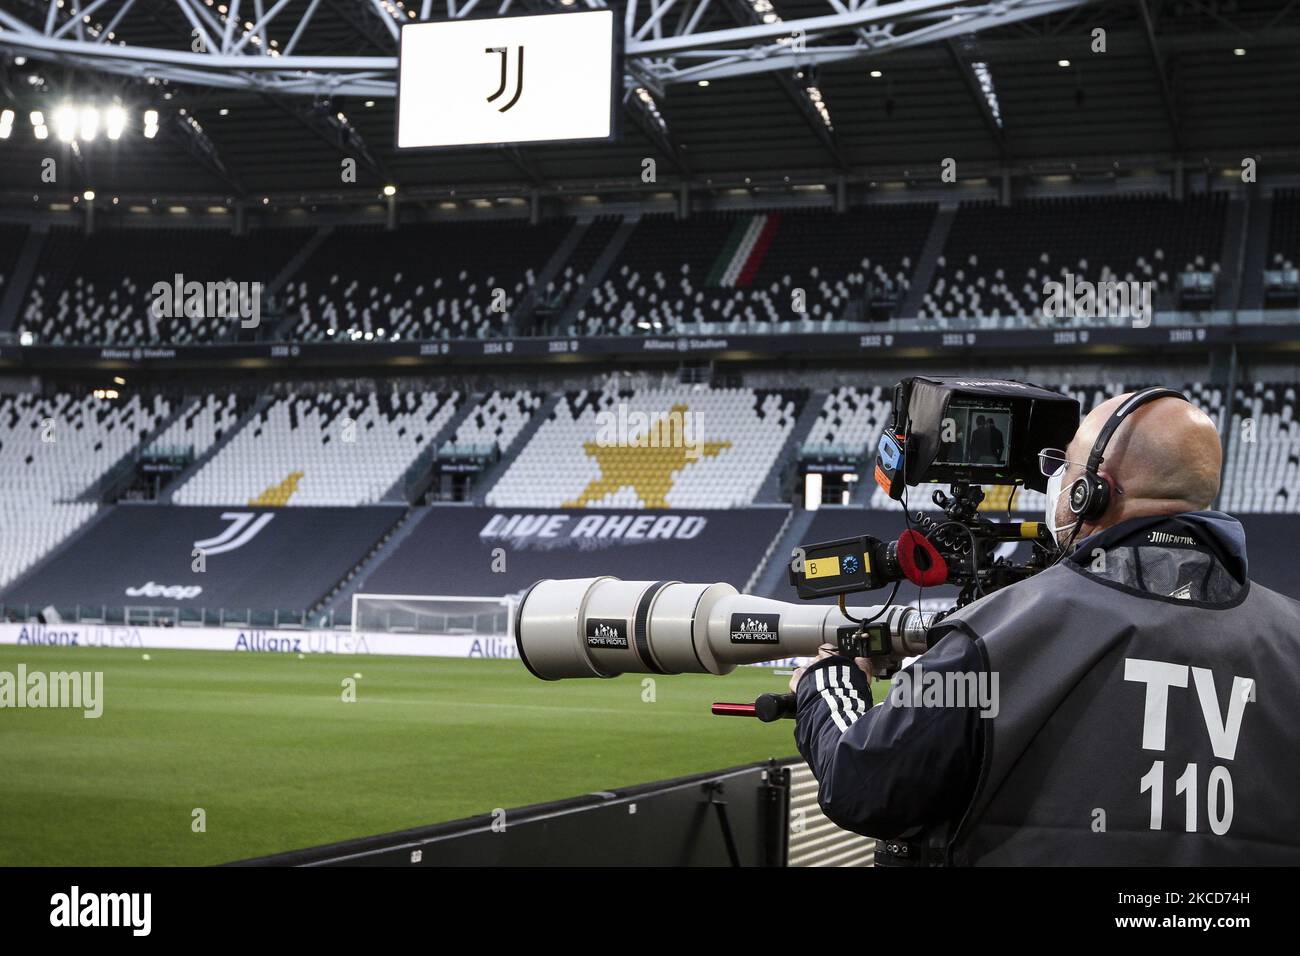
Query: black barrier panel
[259, 558]
[454, 551]
[1270, 546]
[737, 817]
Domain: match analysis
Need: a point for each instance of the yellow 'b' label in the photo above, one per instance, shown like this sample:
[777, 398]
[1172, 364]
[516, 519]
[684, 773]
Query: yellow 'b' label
[822, 567]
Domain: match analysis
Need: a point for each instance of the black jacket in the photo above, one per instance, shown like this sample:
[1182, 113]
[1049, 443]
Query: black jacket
[899, 771]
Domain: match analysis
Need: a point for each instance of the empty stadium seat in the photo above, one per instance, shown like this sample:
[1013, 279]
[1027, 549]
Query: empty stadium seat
[1262, 470]
[321, 449]
[52, 450]
[430, 281]
[99, 289]
[997, 259]
[681, 446]
[850, 421]
[736, 272]
[202, 424]
[494, 423]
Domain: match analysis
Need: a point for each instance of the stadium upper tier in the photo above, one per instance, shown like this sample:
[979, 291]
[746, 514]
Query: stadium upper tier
[101, 289]
[751, 270]
[997, 258]
[729, 271]
[445, 280]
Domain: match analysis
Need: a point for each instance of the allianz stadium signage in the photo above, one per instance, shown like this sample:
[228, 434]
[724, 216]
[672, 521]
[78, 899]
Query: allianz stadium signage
[258, 640]
[282, 642]
[840, 345]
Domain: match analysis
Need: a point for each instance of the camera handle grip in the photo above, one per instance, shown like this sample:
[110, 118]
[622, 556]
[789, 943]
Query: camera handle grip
[767, 708]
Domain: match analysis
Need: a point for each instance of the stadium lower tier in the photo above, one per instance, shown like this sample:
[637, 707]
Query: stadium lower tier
[339, 474]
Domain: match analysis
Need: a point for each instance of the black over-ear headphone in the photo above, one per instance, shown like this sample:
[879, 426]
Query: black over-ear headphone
[1090, 493]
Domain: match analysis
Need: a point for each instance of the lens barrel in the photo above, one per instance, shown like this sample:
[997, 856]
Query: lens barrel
[603, 627]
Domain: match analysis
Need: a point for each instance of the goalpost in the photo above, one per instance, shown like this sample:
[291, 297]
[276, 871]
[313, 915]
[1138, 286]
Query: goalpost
[434, 614]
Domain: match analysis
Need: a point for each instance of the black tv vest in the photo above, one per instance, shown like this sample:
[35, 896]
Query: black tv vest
[1134, 729]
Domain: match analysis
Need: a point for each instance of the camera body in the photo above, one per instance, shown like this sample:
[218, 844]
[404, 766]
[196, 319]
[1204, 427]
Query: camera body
[967, 432]
[962, 430]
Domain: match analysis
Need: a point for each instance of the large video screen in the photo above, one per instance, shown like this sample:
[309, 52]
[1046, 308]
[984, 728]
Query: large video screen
[528, 79]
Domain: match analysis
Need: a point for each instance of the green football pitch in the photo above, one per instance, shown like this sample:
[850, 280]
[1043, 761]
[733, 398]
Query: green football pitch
[267, 748]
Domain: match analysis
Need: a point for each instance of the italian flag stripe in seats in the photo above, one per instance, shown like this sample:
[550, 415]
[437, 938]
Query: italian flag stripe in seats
[743, 251]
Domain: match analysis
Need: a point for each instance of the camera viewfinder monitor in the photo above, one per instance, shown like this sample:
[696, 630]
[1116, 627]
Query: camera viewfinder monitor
[976, 436]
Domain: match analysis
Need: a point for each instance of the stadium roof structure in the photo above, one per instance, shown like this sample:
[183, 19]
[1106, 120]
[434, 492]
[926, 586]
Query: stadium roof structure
[264, 98]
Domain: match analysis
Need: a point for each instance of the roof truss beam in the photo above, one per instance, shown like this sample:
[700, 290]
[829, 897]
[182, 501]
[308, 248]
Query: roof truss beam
[660, 48]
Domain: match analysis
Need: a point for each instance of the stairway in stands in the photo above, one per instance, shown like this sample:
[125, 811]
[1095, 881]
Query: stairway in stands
[773, 489]
[214, 449]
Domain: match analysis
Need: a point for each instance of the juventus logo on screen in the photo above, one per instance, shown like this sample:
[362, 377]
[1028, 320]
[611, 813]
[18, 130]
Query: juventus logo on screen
[573, 80]
[519, 77]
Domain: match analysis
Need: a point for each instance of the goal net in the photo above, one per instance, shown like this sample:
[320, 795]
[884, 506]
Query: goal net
[434, 614]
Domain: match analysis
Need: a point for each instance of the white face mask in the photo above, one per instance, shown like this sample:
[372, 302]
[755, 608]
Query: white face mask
[1054, 491]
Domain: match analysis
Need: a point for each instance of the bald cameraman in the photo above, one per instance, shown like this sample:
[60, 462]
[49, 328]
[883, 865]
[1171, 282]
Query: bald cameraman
[1148, 694]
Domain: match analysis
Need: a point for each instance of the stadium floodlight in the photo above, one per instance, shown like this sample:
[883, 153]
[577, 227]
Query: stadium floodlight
[88, 195]
[498, 80]
[6, 123]
[88, 126]
[65, 122]
[390, 190]
[114, 121]
[150, 124]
